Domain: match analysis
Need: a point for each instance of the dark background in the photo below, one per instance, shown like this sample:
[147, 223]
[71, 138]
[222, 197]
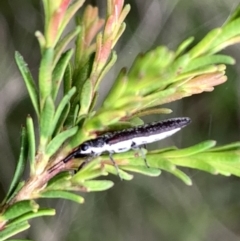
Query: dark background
[145, 208]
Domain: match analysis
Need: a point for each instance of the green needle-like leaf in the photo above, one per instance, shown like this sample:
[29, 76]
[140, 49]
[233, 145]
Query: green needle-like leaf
[67, 79]
[86, 97]
[84, 175]
[122, 174]
[111, 62]
[45, 76]
[118, 89]
[40, 213]
[46, 129]
[153, 111]
[20, 165]
[104, 119]
[57, 181]
[203, 46]
[196, 163]
[58, 140]
[20, 208]
[182, 47]
[63, 43]
[63, 103]
[182, 176]
[31, 143]
[157, 161]
[229, 147]
[13, 229]
[18, 187]
[152, 172]
[229, 32]
[203, 146]
[28, 79]
[209, 60]
[59, 71]
[62, 194]
[89, 171]
[97, 185]
[61, 120]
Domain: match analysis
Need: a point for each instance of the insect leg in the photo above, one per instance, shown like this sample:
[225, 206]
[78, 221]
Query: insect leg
[87, 160]
[115, 164]
[140, 149]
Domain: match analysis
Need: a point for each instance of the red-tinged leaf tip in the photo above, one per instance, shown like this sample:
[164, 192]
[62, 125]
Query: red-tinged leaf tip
[205, 82]
[109, 27]
[118, 5]
[91, 32]
[56, 20]
[64, 5]
[105, 51]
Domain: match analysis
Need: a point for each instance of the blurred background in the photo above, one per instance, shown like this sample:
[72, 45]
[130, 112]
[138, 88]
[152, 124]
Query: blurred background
[145, 208]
